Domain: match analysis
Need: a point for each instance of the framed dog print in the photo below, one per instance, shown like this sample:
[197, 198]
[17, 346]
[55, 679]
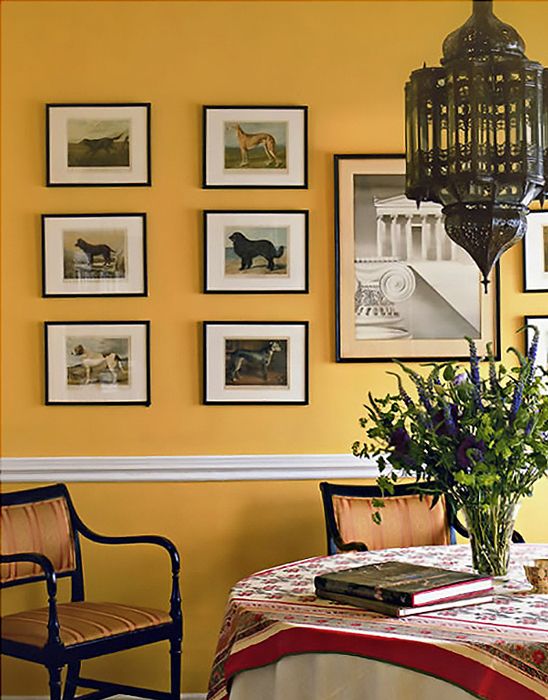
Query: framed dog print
[97, 362]
[94, 255]
[256, 251]
[255, 147]
[541, 322]
[535, 252]
[101, 145]
[255, 363]
[404, 289]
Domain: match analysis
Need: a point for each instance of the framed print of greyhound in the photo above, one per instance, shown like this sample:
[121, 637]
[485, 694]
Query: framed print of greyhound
[98, 145]
[255, 363]
[97, 362]
[255, 147]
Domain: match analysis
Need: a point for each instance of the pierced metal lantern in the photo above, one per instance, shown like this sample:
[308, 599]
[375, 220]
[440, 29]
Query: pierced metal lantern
[477, 135]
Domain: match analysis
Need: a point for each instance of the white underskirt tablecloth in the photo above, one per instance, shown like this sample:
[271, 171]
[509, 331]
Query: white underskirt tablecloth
[339, 677]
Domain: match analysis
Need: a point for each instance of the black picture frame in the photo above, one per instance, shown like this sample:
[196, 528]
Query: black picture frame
[214, 264]
[349, 347]
[214, 388]
[54, 380]
[214, 173]
[136, 252]
[138, 174]
[535, 252]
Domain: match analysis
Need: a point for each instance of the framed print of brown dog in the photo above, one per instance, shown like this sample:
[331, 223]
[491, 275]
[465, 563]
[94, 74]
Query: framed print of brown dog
[99, 145]
[255, 363]
[255, 147]
[535, 252]
[404, 289]
[94, 255]
[97, 362]
[255, 251]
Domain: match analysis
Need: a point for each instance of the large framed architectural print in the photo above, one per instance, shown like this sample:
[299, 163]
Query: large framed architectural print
[404, 289]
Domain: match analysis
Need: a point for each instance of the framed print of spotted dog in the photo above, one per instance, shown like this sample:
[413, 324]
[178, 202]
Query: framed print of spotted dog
[98, 145]
[256, 252]
[97, 362]
[94, 255]
[255, 363]
[255, 147]
[535, 252]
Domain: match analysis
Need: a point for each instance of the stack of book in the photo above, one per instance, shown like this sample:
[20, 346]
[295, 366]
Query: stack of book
[400, 589]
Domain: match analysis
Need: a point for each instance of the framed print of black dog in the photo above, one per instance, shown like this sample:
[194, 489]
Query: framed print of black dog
[97, 362]
[535, 252]
[255, 147]
[255, 363]
[255, 251]
[94, 255]
[100, 145]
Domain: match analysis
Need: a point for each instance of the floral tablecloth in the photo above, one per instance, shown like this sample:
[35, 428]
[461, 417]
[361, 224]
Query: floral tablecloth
[496, 651]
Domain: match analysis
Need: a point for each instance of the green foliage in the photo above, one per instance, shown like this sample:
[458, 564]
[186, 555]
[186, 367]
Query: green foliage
[478, 439]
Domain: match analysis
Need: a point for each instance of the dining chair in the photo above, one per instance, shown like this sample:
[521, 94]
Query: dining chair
[40, 542]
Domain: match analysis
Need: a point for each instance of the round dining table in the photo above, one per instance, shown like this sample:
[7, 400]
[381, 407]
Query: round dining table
[279, 641]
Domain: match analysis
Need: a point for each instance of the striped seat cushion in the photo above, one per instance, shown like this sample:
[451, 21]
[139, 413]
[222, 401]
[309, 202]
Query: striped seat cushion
[80, 622]
[407, 521]
[43, 527]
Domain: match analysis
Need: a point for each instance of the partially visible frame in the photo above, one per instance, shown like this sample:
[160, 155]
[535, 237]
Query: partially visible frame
[403, 288]
[94, 255]
[541, 322]
[255, 363]
[98, 145]
[255, 252]
[97, 362]
[535, 252]
[255, 147]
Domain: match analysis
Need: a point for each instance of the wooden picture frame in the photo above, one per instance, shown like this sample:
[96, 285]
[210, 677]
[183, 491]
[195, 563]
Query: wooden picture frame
[98, 145]
[97, 363]
[247, 147]
[255, 252]
[94, 255]
[259, 363]
[403, 288]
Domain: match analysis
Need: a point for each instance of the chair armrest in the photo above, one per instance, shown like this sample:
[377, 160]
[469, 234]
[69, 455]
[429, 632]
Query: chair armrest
[349, 546]
[54, 636]
[175, 598]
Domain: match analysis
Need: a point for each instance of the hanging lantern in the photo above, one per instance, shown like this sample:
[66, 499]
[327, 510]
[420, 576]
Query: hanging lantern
[477, 136]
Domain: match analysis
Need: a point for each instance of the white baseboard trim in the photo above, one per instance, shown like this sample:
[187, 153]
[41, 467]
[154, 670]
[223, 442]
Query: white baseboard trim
[186, 468]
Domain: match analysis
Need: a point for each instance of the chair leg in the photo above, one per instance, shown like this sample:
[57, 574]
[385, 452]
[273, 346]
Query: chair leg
[175, 658]
[71, 683]
[54, 682]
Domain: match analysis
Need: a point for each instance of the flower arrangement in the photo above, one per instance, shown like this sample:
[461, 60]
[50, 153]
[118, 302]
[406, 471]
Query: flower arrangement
[481, 441]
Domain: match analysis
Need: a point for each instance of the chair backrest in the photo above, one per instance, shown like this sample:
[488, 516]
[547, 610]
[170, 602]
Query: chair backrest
[40, 520]
[408, 518]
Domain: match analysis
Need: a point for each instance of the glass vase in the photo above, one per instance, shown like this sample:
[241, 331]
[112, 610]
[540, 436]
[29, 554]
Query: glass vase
[490, 526]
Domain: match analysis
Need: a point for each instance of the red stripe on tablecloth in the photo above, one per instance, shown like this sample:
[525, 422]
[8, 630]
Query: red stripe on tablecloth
[464, 672]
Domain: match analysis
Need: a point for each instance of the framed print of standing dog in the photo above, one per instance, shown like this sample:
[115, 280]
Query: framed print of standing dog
[255, 363]
[255, 147]
[98, 145]
[404, 289]
[255, 251]
[97, 362]
[535, 252]
[94, 255]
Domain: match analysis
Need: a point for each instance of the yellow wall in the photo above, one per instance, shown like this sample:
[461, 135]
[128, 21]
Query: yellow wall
[348, 62]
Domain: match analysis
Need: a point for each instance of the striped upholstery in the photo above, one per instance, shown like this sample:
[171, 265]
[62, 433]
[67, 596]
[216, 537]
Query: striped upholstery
[80, 622]
[43, 527]
[407, 521]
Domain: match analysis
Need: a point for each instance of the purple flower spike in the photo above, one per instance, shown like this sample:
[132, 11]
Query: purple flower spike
[516, 401]
[400, 440]
[474, 372]
[469, 452]
[460, 379]
[533, 348]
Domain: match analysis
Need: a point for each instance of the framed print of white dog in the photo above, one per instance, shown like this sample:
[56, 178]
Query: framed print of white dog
[97, 362]
[94, 255]
[541, 322]
[535, 252]
[404, 289]
[255, 147]
[255, 363]
[255, 251]
[99, 145]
